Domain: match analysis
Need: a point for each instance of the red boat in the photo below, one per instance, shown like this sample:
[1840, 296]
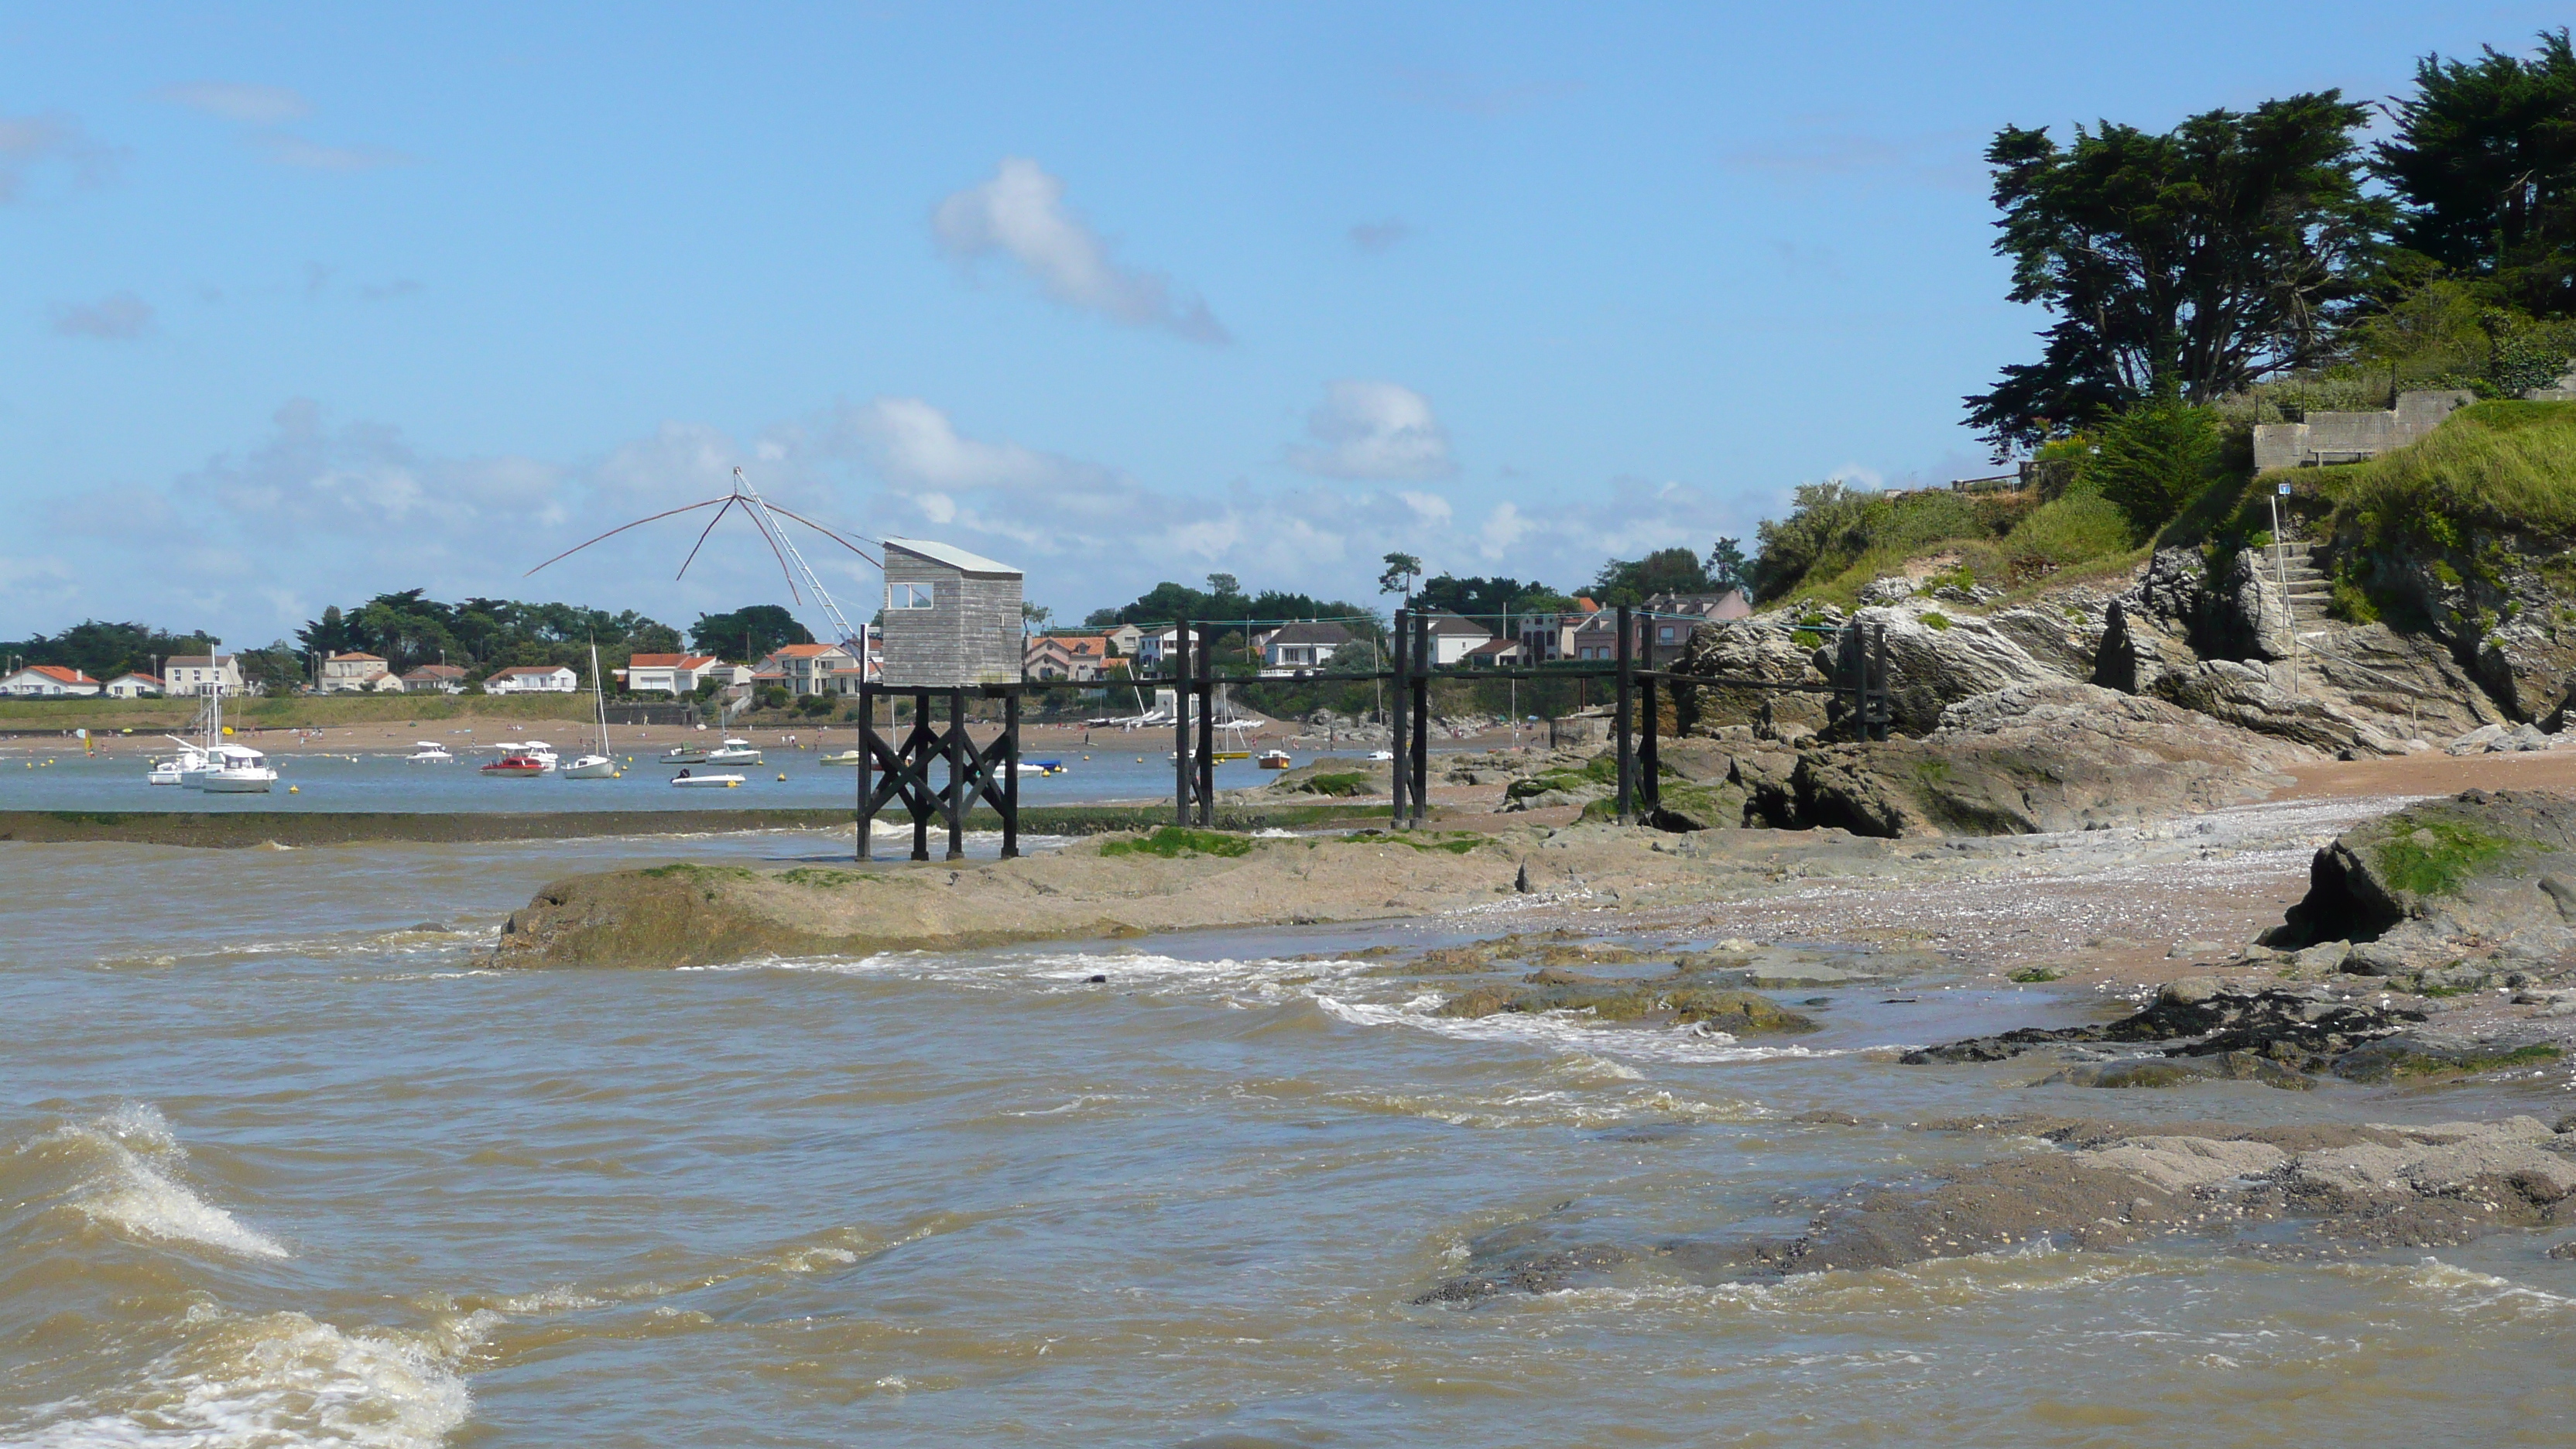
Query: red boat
[515, 765]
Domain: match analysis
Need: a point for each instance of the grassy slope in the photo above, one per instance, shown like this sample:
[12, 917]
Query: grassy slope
[2492, 466]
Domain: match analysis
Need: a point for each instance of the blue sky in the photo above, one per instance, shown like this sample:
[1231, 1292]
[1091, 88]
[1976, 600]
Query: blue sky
[306, 303]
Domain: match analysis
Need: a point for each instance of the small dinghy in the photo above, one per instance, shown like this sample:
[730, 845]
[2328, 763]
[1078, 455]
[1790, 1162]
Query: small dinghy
[687, 781]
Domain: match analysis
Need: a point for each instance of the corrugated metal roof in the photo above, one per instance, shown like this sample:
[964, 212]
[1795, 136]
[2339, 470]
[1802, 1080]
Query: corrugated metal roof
[951, 555]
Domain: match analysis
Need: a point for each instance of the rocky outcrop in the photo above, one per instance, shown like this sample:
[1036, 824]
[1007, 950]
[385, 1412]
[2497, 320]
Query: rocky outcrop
[2040, 757]
[1741, 649]
[2257, 698]
[1935, 660]
[2487, 876]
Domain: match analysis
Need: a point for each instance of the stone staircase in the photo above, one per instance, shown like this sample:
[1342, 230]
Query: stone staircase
[2293, 571]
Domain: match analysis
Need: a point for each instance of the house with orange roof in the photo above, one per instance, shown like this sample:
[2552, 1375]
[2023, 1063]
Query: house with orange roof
[49, 681]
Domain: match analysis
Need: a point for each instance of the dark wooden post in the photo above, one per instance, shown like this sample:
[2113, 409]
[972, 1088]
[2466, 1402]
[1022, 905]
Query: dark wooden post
[1179, 669]
[920, 724]
[957, 794]
[1425, 653]
[1204, 781]
[1626, 718]
[1011, 773]
[1399, 771]
[867, 764]
[1650, 785]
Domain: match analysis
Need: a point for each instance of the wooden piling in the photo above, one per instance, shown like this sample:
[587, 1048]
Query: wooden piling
[1627, 719]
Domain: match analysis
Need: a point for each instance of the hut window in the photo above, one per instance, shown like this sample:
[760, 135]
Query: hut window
[908, 596]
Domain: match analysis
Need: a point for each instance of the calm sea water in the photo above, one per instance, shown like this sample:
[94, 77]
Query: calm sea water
[65, 779]
[281, 1168]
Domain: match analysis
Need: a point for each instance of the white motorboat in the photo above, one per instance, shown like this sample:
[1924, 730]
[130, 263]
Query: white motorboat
[429, 752]
[687, 781]
[542, 753]
[735, 752]
[597, 764]
[845, 757]
[239, 770]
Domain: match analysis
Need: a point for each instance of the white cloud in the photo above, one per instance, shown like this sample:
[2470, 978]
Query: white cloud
[264, 108]
[249, 104]
[362, 480]
[119, 315]
[1020, 212]
[1503, 529]
[314, 156]
[1375, 237]
[1373, 430]
[27, 142]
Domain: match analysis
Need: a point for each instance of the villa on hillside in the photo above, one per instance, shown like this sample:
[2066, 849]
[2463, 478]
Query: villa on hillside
[1292, 647]
[195, 674]
[672, 674]
[1068, 656]
[48, 681]
[434, 679]
[807, 669]
[133, 684]
[533, 679]
[345, 673]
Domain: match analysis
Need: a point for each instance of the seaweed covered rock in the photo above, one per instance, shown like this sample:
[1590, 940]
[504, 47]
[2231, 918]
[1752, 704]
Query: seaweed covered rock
[1687, 997]
[2486, 875]
[2293, 1030]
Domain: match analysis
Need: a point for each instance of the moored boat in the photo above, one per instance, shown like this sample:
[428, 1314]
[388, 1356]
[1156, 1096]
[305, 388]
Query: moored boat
[687, 781]
[734, 752]
[685, 755]
[597, 764]
[429, 752]
[1274, 760]
[516, 766]
[237, 770]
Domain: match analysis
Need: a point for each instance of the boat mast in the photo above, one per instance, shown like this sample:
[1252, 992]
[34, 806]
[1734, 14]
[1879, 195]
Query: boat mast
[778, 535]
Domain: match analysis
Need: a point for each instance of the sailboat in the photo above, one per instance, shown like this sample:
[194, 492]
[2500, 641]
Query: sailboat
[597, 765]
[231, 769]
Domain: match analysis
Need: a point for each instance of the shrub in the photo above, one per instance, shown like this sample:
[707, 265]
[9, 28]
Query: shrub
[2078, 528]
[2155, 458]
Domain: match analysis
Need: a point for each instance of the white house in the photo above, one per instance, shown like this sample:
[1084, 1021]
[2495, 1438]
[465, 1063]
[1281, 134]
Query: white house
[532, 679]
[49, 681]
[1454, 638]
[133, 684]
[672, 674]
[353, 671]
[186, 674]
[1292, 647]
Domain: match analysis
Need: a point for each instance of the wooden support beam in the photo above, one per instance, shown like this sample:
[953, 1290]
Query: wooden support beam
[1627, 720]
[867, 811]
[1180, 672]
[1400, 774]
[1011, 775]
[1425, 653]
